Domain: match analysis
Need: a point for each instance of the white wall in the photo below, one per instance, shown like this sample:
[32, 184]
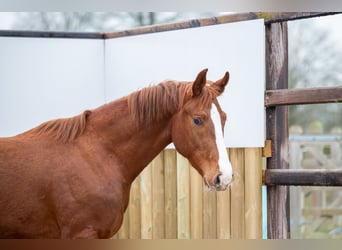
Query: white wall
[42, 79]
[135, 62]
[46, 78]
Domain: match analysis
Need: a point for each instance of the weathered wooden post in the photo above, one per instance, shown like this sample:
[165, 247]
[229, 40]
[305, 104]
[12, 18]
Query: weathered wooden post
[277, 127]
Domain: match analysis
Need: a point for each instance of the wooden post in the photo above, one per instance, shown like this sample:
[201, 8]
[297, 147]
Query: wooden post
[277, 127]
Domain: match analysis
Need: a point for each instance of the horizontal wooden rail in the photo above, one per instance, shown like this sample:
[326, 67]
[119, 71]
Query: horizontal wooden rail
[321, 211]
[51, 34]
[269, 17]
[303, 96]
[276, 17]
[303, 177]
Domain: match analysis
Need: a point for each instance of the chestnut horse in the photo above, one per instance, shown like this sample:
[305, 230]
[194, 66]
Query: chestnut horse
[71, 178]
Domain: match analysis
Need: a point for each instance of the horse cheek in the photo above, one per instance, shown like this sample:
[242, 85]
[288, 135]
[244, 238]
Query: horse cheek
[179, 136]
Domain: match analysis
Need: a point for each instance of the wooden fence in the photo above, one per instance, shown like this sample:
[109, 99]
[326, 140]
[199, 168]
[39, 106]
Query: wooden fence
[316, 212]
[169, 201]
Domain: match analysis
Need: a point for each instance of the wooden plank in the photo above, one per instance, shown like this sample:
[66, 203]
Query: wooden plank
[123, 233]
[209, 214]
[231, 18]
[253, 193]
[237, 216]
[303, 177]
[277, 128]
[134, 210]
[196, 204]
[146, 203]
[182, 25]
[223, 213]
[303, 96]
[322, 211]
[183, 198]
[51, 34]
[277, 17]
[158, 197]
[170, 179]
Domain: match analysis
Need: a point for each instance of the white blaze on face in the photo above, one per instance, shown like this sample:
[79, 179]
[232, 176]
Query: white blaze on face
[224, 163]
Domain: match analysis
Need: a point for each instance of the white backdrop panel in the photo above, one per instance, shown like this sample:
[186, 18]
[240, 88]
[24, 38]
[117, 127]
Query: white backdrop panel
[138, 61]
[46, 78]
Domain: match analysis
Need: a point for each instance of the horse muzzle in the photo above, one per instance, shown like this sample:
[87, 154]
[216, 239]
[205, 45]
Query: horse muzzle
[222, 182]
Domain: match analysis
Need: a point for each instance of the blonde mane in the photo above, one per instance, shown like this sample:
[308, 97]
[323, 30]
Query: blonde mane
[149, 105]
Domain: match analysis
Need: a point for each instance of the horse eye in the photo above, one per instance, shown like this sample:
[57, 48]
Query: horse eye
[198, 121]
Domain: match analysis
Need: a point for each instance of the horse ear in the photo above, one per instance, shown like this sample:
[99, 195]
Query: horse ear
[199, 83]
[220, 85]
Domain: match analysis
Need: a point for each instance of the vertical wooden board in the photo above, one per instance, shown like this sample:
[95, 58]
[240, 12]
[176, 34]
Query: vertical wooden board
[237, 194]
[196, 204]
[123, 233]
[223, 214]
[183, 198]
[209, 214]
[296, 201]
[158, 207]
[146, 203]
[134, 210]
[253, 197]
[170, 179]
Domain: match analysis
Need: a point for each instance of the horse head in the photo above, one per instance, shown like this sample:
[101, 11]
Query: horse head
[197, 131]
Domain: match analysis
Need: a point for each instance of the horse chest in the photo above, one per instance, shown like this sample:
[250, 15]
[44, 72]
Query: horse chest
[97, 203]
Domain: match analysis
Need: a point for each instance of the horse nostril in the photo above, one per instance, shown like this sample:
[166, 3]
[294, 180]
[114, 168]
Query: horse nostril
[217, 180]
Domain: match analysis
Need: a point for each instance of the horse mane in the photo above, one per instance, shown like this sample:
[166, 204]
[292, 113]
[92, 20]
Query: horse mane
[148, 105]
[65, 129]
[154, 103]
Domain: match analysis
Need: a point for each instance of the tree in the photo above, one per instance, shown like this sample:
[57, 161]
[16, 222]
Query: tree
[98, 21]
[59, 21]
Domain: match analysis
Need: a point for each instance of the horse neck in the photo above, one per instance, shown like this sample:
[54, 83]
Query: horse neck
[133, 147]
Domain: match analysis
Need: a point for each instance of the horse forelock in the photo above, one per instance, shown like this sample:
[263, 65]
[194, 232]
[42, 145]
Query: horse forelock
[153, 104]
[64, 130]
